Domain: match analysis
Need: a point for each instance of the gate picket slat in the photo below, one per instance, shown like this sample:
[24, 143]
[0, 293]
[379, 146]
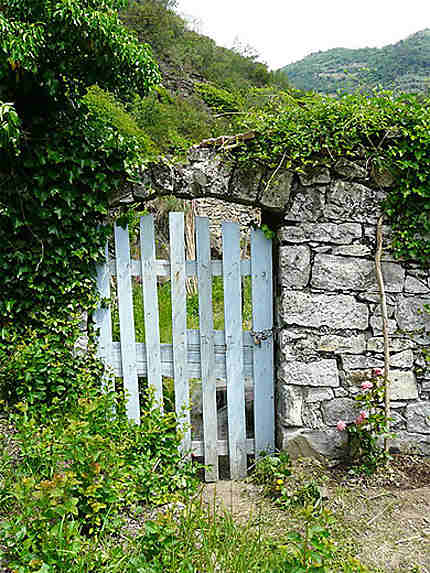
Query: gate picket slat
[150, 305]
[234, 356]
[126, 322]
[103, 319]
[262, 319]
[179, 325]
[204, 278]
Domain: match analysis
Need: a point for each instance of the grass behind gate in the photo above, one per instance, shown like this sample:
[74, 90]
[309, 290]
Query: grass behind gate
[165, 309]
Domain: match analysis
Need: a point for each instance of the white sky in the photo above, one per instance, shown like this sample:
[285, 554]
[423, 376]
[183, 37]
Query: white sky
[284, 31]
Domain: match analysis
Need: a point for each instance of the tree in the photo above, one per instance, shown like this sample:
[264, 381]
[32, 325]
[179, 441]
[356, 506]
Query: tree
[60, 158]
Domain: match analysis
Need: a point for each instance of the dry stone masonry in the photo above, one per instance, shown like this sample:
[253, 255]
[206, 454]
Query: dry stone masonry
[330, 318]
[327, 304]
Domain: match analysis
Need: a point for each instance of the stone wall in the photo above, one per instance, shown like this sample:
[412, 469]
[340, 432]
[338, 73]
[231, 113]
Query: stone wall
[328, 308]
[219, 211]
[330, 319]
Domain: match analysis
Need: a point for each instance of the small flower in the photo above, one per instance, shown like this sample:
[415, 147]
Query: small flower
[361, 418]
[279, 481]
[341, 425]
[376, 372]
[366, 385]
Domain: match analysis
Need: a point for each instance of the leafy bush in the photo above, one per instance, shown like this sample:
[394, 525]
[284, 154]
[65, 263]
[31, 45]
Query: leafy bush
[80, 473]
[218, 99]
[174, 122]
[371, 425]
[43, 369]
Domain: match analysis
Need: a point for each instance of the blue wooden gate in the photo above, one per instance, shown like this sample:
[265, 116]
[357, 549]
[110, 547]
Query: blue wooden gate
[232, 360]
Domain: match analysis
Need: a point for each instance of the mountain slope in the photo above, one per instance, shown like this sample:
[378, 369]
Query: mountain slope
[401, 67]
[205, 88]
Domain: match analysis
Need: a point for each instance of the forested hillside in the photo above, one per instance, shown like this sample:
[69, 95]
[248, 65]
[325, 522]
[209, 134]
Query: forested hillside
[401, 67]
[204, 88]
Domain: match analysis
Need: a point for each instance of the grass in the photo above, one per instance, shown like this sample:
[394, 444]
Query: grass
[165, 309]
[307, 523]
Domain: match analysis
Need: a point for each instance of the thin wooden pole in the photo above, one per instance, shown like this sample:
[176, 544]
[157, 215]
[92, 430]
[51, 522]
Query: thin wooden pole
[384, 312]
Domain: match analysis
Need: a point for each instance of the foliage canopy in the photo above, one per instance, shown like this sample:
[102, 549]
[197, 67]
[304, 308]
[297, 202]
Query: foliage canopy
[61, 157]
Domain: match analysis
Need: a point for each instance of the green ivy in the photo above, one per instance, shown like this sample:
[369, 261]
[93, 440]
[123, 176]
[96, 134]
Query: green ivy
[390, 134]
[67, 147]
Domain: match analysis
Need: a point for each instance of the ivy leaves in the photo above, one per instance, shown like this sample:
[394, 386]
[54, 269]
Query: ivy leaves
[54, 196]
[388, 133]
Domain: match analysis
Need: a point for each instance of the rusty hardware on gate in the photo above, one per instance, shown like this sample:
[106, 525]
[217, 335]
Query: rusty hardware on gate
[259, 335]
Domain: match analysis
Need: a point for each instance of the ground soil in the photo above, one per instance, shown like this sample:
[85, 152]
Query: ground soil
[384, 519]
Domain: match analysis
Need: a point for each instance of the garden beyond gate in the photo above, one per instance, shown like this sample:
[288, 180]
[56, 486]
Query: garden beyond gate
[234, 361]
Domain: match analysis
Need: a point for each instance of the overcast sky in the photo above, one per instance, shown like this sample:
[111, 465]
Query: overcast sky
[284, 31]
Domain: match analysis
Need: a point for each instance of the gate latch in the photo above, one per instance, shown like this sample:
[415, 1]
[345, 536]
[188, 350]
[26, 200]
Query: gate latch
[259, 335]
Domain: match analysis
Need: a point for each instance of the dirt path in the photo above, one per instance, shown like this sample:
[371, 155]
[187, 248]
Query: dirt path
[387, 529]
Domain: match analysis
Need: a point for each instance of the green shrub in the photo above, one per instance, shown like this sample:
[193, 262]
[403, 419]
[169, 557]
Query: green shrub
[82, 471]
[113, 112]
[43, 369]
[174, 122]
[218, 99]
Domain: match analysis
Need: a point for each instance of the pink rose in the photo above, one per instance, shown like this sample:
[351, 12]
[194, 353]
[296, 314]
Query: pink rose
[341, 425]
[376, 372]
[361, 417]
[366, 385]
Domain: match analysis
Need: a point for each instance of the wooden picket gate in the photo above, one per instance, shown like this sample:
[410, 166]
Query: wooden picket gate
[220, 359]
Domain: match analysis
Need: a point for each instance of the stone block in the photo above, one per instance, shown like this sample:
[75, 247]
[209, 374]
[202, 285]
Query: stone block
[376, 298]
[415, 286]
[354, 378]
[315, 444]
[355, 344]
[403, 385]
[410, 314]
[348, 273]
[376, 344]
[361, 362]
[418, 417]
[319, 394]
[290, 401]
[340, 392]
[403, 359]
[277, 190]
[307, 206]
[352, 202]
[320, 373]
[312, 418]
[376, 325]
[294, 266]
[317, 310]
[318, 176]
[407, 442]
[344, 409]
[350, 170]
[338, 234]
[355, 250]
